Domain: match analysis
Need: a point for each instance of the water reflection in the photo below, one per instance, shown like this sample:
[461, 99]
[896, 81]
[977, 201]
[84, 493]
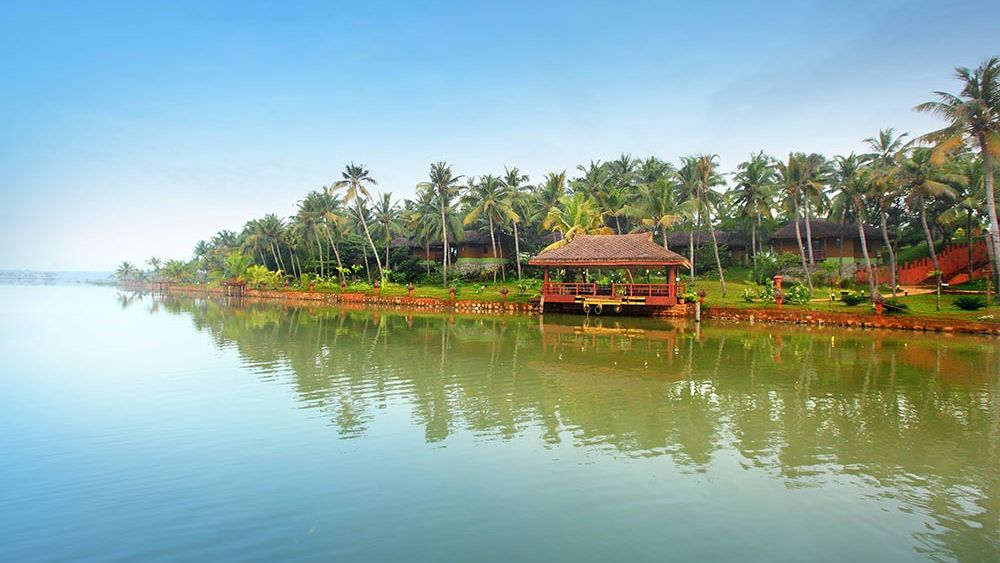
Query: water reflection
[914, 418]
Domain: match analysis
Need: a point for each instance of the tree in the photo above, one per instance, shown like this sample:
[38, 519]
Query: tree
[355, 180]
[698, 176]
[444, 183]
[126, 272]
[387, 218]
[154, 263]
[974, 117]
[886, 147]
[310, 219]
[576, 214]
[922, 180]
[658, 207]
[792, 177]
[754, 193]
[515, 183]
[852, 189]
[488, 198]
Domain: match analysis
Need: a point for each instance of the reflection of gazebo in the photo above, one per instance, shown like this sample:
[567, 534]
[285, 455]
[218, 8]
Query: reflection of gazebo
[619, 252]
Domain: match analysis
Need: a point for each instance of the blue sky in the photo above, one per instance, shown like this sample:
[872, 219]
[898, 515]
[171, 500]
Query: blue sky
[134, 129]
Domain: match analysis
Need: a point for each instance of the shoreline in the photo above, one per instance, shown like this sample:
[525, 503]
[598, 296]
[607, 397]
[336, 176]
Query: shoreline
[712, 312]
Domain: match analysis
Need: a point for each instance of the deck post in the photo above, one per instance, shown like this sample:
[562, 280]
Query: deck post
[546, 280]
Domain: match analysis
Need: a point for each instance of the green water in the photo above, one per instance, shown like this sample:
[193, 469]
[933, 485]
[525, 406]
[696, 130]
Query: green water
[178, 429]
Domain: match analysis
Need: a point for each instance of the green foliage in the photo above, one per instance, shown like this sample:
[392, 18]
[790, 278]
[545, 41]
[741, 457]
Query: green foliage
[797, 294]
[770, 264]
[969, 302]
[763, 292]
[259, 277]
[237, 264]
[852, 298]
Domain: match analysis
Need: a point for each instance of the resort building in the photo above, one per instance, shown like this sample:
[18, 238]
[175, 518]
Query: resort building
[574, 278]
[472, 247]
[829, 240]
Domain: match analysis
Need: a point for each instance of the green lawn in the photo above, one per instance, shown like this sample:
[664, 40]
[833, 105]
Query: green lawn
[919, 305]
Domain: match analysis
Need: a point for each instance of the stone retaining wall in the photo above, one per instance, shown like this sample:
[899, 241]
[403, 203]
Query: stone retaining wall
[820, 318]
[315, 297]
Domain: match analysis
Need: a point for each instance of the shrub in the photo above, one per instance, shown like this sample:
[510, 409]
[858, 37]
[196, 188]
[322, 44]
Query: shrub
[798, 294]
[852, 299]
[970, 302]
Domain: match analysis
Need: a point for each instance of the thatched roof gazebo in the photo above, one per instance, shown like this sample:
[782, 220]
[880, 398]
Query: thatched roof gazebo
[621, 252]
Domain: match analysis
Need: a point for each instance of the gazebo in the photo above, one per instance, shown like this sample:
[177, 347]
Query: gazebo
[618, 252]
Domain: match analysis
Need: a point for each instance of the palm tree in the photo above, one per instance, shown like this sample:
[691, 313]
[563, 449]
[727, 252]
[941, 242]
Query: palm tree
[515, 184]
[310, 220]
[792, 177]
[270, 229]
[974, 116]
[576, 214]
[126, 272]
[922, 180]
[355, 180]
[698, 176]
[444, 183]
[387, 218]
[886, 147]
[658, 208]
[155, 263]
[816, 170]
[753, 195]
[548, 194]
[852, 189]
[488, 198]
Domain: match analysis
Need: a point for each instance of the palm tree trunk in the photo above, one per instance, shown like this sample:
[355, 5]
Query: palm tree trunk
[618, 226]
[968, 238]
[368, 268]
[387, 243]
[427, 255]
[892, 254]
[809, 233]
[336, 252]
[517, 252]
[493, 242]
[715, 247]
[445, 251]
[991, 206]
[802, 251]
[364, 223]
[275, 255]
[840, 246]
[864, 252]
[691, 251]
[753, 248]
[930, 249]
[665, 245]
[319, 248]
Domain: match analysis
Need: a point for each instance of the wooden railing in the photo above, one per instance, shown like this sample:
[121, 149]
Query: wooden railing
[643, 289]
[569, 288]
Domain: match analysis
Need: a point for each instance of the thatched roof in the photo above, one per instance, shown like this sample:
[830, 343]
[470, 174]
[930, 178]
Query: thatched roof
[620, 251]
[821, 228]
[701, 238]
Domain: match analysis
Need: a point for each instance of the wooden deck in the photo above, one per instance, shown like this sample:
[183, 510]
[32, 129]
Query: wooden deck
[622, 298]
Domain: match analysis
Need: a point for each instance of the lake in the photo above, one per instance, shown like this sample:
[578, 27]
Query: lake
[143, 428]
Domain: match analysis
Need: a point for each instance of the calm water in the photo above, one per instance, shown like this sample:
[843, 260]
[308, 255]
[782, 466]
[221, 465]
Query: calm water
[187, 430]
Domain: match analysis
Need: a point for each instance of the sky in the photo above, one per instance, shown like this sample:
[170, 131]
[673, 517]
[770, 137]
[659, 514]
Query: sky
[135, 129]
